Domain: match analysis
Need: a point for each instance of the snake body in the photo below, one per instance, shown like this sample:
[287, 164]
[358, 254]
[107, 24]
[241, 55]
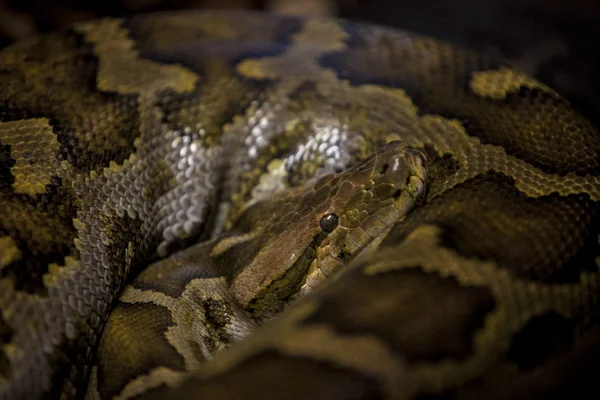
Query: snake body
[357, 211]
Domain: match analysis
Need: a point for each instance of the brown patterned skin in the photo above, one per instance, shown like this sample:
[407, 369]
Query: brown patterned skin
[219, 291]
[125, 141]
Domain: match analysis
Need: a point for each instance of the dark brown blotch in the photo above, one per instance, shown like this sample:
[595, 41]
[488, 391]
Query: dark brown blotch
[549, 239]
[6, 334]
[270, 375]
[31, 223]
[440, 168]
[133, 343]
[543, 337]
[6, 163]
[171, 275]
[422, 316]
[564, 140]
[54, 77]
[169, 30]
[305, 96]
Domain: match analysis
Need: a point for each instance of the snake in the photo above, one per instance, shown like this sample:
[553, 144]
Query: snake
[236, 204]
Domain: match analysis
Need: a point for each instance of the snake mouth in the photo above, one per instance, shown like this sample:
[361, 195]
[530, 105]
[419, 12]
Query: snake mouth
[282, 291]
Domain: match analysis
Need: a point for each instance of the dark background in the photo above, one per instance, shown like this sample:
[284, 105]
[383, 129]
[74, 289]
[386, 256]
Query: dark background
[557, 41]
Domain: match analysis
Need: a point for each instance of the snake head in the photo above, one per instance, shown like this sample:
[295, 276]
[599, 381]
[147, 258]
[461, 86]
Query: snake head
[302, 236]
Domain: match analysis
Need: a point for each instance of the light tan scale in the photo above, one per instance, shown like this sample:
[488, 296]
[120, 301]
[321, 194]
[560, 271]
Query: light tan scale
[242, 205]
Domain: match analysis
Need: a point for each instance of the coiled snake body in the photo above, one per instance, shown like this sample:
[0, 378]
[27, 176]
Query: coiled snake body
[451, 200]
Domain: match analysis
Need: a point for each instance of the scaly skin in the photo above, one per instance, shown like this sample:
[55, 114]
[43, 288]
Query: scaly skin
[123, 142]
[218, 292]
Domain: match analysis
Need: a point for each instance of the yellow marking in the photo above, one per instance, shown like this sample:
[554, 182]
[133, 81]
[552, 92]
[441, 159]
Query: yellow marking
[288, 336]
[187, 312]
[497, 84]
[9, 252]
[275, 165]
[34, 147]
[224, 244]
[516, 300]
[327, 34]
[121, 70]
[270, 183]
[58, 273]
[157, 377]
[77, 224]
[133, 295]
[449, 136]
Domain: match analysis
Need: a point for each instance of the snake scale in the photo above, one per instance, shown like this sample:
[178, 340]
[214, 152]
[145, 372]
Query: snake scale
[241, 205]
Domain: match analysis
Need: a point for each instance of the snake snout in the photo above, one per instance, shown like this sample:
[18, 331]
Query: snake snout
[405, 168]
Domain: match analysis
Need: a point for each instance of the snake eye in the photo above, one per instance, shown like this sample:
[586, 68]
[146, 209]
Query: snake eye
[328, 223]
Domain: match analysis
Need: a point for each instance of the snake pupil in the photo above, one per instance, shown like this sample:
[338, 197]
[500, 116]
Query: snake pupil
[328, 223]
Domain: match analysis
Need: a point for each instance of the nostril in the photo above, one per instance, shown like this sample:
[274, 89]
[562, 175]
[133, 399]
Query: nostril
[384, 169]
